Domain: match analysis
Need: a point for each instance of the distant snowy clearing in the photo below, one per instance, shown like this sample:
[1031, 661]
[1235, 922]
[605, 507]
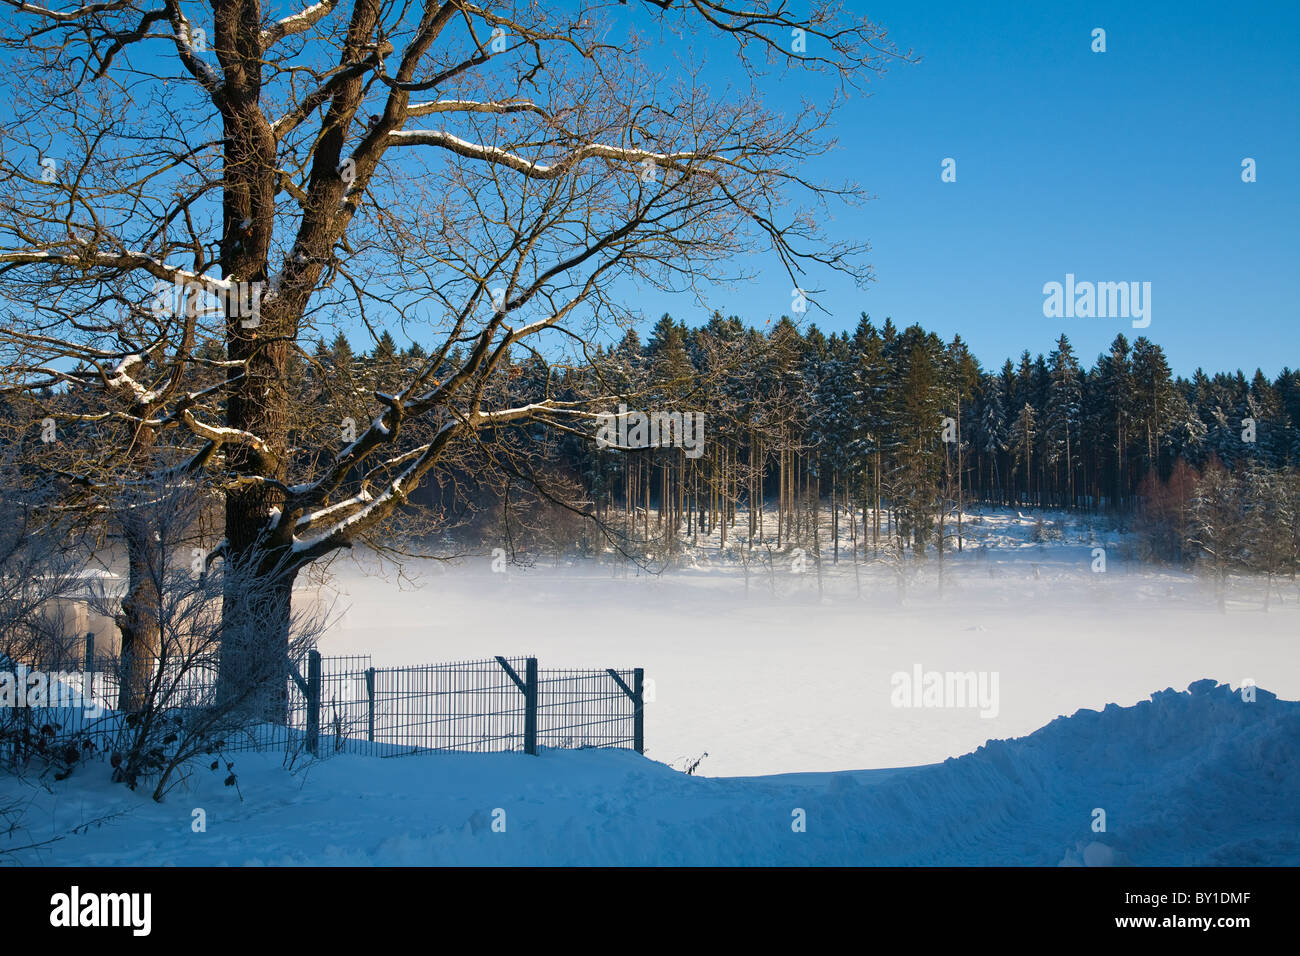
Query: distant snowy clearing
[1194, 778]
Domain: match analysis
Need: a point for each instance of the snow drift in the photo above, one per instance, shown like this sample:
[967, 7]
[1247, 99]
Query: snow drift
[1201, 777]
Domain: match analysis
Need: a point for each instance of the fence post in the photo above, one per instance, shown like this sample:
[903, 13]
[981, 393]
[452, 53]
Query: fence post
[313, 702]
[635, 693]
[530, 706]
[638, 715]
[370, 696]
[90, 652]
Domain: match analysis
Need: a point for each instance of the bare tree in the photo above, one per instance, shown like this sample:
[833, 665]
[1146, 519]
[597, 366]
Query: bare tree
[1217, 526]
[501, 175]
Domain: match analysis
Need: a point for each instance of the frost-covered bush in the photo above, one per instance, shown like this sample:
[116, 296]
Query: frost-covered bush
[1046, 531]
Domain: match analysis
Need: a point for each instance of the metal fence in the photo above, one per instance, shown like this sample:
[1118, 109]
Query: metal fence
[591, 708]
[467, 705]
[484, 705]
[80, 705]
[345, 704]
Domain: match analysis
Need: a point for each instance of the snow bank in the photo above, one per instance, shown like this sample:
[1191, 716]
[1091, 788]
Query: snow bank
[1193, 778]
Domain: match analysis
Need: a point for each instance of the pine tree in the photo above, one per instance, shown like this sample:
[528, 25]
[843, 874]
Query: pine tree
[341, 352]
[1024, 434]
[1064, 406]
[919, 422]
[963, 372]
[1154, 392]
[1116, 404]
[991, 435]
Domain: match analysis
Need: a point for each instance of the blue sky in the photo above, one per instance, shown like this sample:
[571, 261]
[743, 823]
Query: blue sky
[1115, 166]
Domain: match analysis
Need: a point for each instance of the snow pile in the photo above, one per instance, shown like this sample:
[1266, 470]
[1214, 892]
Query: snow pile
[1193, 778]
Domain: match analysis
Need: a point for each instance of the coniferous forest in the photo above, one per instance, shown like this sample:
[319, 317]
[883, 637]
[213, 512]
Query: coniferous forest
[890, 434]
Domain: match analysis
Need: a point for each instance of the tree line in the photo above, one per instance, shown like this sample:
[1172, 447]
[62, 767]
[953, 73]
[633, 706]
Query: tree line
[892, 432]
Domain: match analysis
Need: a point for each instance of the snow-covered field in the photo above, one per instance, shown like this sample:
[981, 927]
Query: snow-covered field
[794, 692]
[1199, 778]
[777, 684]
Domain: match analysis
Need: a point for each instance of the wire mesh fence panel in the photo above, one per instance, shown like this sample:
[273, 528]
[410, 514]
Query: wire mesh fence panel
[91, 710]
[74, 703]
[467, 706]
[504, 704]
[585, 708]
[344, 705]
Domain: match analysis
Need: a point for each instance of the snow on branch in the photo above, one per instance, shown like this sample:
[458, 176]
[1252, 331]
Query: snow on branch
[88, 254]
[540, 170]
[121, 377]
[367, 509]
[306, 521]
[220, 435]
[296, 23]
[190, 53]
[67, 16]
[475, 106]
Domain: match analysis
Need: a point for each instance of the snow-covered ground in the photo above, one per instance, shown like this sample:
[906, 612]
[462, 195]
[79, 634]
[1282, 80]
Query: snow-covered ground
[797, 694]
[1193, 778]
[795, 682]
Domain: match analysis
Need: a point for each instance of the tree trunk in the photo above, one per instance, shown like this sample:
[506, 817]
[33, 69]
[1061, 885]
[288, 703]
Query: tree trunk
[138, 623]
[256, 616]
[835, 520]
